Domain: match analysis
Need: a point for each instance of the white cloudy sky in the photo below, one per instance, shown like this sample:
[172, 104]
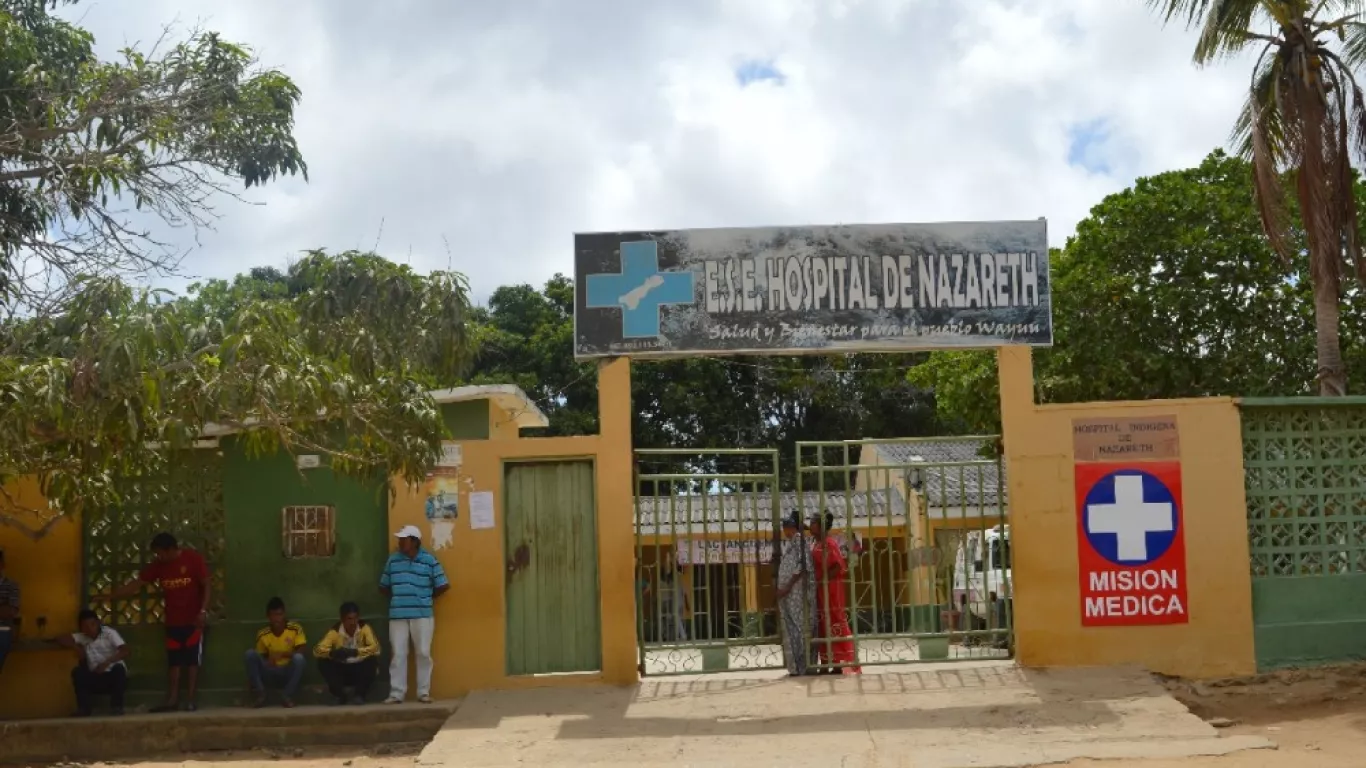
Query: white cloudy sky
[504, 126]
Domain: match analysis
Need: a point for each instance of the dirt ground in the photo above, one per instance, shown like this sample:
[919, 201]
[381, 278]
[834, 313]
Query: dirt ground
[1317, 717]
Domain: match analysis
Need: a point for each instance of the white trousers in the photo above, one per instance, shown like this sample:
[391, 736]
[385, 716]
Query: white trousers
[419, 631]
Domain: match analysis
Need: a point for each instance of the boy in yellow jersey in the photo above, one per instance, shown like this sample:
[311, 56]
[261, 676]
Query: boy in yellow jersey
[348, 657]
[278, 655]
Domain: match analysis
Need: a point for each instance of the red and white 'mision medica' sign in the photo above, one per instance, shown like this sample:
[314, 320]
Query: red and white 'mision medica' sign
[1131, 544]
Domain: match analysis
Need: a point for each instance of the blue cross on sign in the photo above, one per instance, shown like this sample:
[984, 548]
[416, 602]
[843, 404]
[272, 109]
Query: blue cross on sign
[639, 289]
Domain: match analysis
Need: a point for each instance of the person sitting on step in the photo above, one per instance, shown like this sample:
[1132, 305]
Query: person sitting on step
[348, 656]
[278, 655]
[101, 670]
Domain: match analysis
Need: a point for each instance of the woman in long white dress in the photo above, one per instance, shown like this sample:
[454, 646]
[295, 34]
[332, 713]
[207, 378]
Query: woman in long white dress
[796, 597]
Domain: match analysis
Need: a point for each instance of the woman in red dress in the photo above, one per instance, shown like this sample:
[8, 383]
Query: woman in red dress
[832, 614]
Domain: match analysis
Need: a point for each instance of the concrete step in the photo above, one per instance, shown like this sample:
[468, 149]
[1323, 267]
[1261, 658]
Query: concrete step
[144, 735]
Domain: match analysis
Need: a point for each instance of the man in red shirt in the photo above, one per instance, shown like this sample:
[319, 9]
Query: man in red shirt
[183, 578]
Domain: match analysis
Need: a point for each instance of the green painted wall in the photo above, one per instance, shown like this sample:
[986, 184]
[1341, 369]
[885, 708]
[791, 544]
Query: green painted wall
[1306, 504]
[467, 421]
[1309, 620]
[255, 569]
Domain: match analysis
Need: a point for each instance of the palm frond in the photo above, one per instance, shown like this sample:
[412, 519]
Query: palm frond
[1261, 135]
[1262, 100]
[1192, 10]
[1354, 43]
[1225, 30]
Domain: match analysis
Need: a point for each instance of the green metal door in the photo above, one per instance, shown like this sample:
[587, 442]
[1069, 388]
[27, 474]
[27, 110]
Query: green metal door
[551, 547]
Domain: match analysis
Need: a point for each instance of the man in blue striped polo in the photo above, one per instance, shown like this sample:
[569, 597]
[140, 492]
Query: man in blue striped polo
[412, 578]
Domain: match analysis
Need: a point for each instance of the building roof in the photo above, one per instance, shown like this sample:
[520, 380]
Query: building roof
[744, 512]
[509, 397]
[979, 483]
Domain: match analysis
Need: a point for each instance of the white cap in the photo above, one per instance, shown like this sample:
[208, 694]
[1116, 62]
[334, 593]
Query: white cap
[409, 532]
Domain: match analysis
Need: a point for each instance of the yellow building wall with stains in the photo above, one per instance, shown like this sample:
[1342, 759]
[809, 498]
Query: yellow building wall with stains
[469, 644]
[1217, 641]
[37, 683]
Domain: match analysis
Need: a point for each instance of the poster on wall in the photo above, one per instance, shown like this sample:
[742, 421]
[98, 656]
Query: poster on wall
[481, 510]
[787, 290]
[1131, 543]
[442, 506]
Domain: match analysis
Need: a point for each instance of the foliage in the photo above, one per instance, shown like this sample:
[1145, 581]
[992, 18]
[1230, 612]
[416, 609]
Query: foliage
[375, 314]
[526, 338]
[111, 387]
[1306, 114]
[1168, 289]
[81, 140]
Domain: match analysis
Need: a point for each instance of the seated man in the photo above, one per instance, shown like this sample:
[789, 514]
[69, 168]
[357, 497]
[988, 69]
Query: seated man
[9, 611]
[348, 656]
[101, 670]
[277, 655]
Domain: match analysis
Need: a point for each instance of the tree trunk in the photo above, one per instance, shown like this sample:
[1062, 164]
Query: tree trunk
[1332, 373]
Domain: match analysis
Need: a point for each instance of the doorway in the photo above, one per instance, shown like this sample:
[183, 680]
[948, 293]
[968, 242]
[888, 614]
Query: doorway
[551, 548]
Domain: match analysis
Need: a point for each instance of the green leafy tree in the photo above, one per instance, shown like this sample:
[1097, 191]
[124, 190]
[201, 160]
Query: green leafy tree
[1168, 289]
[1305, 114]
[335, 357]
[83, 141]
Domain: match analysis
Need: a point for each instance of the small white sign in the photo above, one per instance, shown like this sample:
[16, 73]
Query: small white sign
[308, 461]
[481, 509]
[451, 455]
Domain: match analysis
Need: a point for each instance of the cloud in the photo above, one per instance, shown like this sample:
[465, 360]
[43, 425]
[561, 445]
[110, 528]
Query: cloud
[503, 128]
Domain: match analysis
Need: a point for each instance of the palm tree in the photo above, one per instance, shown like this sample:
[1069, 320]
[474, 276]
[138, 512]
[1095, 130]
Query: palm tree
[1305, 115]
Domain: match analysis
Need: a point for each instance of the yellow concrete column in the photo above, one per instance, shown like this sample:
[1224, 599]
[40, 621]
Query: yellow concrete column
[1015, 369]
[616, 528]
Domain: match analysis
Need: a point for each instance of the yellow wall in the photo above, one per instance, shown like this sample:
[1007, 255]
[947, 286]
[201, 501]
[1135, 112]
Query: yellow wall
[470, 619]
[1038, 444]
[37, 683]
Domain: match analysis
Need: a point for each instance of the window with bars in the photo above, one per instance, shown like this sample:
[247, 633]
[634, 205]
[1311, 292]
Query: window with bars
[309, 531]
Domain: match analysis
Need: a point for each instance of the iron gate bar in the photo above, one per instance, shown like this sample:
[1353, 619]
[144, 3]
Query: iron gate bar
[864, 574]
[706, 490]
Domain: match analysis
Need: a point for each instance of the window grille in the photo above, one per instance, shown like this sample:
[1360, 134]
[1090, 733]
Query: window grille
[309, 531]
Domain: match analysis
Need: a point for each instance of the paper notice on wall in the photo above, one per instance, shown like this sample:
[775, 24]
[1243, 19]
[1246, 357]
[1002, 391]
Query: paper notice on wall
[481, 509]
[451, 455]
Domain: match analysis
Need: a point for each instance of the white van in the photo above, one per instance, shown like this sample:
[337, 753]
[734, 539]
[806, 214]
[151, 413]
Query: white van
[982, 580]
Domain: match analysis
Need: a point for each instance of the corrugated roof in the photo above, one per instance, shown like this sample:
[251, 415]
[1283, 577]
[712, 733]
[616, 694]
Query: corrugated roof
[979, 484]
[742, 512]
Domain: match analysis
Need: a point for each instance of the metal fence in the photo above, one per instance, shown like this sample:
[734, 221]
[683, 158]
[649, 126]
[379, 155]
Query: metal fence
[1304, 462]
[921, 525]
[912, 558]
[706, 531]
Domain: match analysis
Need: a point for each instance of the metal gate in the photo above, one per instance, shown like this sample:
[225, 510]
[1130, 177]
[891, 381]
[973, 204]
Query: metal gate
[706, 530]
[920, 524]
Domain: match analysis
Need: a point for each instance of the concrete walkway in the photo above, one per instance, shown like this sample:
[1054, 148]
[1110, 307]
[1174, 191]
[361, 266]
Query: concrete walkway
[978, 715]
